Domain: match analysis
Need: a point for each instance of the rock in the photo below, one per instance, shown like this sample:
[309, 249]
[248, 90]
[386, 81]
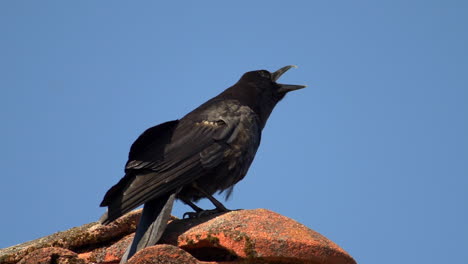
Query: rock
[166, 254]
[256, 235]
[75, 239]
[244, 236]
[108, 254]
[53, 255]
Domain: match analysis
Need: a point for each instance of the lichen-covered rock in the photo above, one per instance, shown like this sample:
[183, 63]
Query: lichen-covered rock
[76, 239]
[244, 236]
[52, 255]
[107, 254]
[160, 254]
[256, 235]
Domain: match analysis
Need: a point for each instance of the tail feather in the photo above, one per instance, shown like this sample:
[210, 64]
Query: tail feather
[152, 224]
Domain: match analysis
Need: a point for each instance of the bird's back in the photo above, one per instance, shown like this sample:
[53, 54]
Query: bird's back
[233, 149]
[212, 147]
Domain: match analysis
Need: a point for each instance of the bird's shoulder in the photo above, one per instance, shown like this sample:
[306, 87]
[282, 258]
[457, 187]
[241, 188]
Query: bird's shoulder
[210, 129]
[221, 110]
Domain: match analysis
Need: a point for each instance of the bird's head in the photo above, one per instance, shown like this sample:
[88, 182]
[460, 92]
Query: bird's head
[260, 90]
[266, 85]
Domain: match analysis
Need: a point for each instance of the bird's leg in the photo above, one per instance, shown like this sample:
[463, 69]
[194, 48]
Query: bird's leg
[219, 206]
[194, 207]
[200, 212]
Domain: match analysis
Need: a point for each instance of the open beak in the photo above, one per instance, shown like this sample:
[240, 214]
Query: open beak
[285, 87]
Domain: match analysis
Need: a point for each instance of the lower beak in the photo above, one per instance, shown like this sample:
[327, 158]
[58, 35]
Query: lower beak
[285, 87]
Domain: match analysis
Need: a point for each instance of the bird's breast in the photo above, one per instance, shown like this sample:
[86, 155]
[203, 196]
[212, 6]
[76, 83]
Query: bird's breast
[242, 143]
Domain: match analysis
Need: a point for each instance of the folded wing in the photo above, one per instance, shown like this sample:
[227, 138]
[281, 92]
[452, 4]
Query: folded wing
[164, 158]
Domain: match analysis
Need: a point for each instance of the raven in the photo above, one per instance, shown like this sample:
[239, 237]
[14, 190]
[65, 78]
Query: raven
[207, 151]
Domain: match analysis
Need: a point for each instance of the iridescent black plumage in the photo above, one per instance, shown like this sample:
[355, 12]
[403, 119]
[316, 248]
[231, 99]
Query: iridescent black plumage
[209, 150]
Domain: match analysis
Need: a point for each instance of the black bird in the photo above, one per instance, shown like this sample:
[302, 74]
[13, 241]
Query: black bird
[207, 151]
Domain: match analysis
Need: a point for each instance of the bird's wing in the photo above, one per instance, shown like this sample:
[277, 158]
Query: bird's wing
[200, 139]
[153, 139]
[166, 157]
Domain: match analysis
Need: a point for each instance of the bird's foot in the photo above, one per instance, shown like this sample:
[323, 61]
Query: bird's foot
[203, 213]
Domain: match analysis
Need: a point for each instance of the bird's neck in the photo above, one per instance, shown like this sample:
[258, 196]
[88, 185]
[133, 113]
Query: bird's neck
[246, 95]
[265, 110]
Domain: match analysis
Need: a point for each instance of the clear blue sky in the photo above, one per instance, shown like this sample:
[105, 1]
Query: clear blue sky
[373, 154]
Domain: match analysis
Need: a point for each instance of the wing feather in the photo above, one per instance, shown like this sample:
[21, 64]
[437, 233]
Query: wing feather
[164, 158]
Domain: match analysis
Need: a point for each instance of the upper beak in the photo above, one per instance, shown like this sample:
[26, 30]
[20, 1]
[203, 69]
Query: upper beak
[285, 87]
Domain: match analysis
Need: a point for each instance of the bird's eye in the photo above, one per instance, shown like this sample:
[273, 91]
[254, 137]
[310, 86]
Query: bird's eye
[264, 74]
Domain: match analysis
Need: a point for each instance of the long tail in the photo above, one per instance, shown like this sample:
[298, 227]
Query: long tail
[152, 224]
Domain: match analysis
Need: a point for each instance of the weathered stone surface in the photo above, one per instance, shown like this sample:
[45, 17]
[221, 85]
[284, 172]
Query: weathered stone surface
[108, 254]
[260, 235]
[160, 254]
[77, 239]
[52, 255]
[244, 236]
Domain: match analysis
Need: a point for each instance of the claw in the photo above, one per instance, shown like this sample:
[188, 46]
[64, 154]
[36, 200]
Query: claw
[192, 215]
[189, 215]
